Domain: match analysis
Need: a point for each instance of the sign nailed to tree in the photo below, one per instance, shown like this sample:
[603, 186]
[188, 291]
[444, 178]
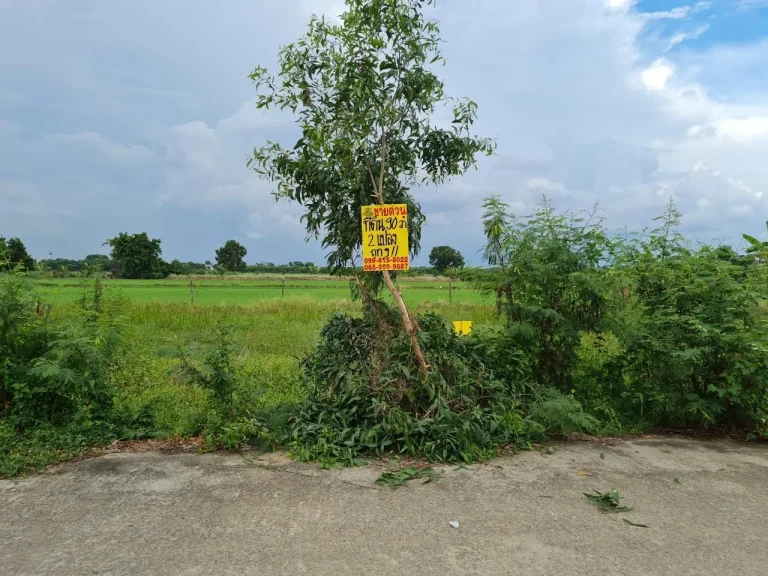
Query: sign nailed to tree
[385, 237]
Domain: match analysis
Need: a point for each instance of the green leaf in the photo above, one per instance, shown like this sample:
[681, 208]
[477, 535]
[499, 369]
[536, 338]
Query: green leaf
[634, 523]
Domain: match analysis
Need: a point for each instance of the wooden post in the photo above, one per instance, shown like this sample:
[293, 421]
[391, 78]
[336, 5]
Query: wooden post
[450, 292]
[192, 292]
[282, 288]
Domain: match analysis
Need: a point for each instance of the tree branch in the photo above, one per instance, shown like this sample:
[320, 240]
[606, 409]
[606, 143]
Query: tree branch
[383, 164]
[373, 182]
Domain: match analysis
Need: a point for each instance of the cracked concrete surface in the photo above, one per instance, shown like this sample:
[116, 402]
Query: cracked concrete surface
[151, 513]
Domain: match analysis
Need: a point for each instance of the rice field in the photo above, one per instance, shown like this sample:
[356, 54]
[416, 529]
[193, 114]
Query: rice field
[271, 328]
[234, 290]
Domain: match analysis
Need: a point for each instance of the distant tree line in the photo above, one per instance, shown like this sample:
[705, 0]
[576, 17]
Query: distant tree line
[139, 256]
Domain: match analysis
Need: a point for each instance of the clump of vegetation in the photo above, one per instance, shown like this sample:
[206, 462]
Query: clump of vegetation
[365, 395]
[641, 331]
[399, 477]
[609, 502]
[56, 389]
[229, 426]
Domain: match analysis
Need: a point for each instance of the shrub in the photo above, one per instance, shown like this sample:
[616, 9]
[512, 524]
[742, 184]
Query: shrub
[219, 374]
[365, 395]
[56, 378]
[562, 415]
[643, 331]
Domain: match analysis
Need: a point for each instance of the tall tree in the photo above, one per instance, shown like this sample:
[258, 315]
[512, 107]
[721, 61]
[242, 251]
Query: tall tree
[14, 251]
[443, 257]
[231, 256]
[364, 92]
[137, 255]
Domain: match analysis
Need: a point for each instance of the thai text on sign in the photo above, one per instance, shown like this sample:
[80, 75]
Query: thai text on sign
[385, 237]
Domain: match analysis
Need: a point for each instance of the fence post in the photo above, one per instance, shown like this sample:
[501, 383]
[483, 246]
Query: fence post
[282, 288]
[192, 292]
[450, 292]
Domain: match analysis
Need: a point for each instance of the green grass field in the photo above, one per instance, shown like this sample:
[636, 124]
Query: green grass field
[270, 332]
[228, 291]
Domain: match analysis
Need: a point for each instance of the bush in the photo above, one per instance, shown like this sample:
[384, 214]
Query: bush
[365, 395]
[643, 331]
[52, 373]
[56, 378]
[563, 415]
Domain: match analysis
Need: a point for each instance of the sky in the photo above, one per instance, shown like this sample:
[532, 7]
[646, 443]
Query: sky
[139, 116]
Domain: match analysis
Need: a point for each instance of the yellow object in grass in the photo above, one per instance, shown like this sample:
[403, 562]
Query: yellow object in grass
[462, 327]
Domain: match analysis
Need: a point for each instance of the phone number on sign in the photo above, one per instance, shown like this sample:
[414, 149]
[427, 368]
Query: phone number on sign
[400, 263]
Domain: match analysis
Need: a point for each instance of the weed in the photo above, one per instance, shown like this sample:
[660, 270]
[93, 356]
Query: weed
[400, 477]
[607, 502]
[562, 415]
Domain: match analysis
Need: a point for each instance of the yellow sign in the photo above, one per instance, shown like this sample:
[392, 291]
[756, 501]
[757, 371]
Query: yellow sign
[385, 237]
[462, 327]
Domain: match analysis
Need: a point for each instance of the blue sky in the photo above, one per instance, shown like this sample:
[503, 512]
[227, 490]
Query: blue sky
[133, 116]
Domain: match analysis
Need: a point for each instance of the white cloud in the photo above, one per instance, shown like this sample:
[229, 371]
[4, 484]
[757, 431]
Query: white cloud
[749, 4]
[195, 144]
[655, 77]
[118, 153]
[619, 5]
[744, 128]
[546, 186]
[675, 14]
[680, 37]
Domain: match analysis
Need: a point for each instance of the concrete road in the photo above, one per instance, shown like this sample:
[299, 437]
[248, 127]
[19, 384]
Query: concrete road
[220, 514]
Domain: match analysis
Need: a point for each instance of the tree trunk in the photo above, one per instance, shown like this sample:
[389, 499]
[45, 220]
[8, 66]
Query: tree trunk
[407, 323]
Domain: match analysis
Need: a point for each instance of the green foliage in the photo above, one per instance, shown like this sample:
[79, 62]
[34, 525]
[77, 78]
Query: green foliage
[14, 253]
[400, 477]
[608, 502]
[441, 258]
[54, 373]
[562, 415]
[21, 337]
[642, 330]
[230, 256]
[757, 249]
[35, 448]
[60, 267]
[57, 388]
[136, 255]
[550, 283]
[219, 374]
[364, 395]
